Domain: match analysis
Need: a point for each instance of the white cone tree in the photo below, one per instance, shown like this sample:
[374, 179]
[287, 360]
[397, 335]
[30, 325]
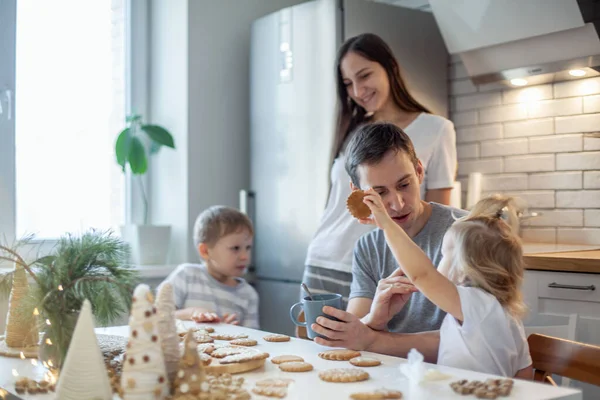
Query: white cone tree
[144, 374]
[167, 330]
[84, 374]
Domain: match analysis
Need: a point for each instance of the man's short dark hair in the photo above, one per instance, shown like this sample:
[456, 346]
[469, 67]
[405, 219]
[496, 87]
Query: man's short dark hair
[371, 142]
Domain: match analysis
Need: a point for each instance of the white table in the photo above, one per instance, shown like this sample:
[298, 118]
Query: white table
[308, 385]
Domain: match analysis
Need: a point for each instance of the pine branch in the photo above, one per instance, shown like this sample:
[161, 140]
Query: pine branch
[6, 279]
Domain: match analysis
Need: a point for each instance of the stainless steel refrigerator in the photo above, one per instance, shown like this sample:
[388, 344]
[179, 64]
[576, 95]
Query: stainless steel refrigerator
[292, 111]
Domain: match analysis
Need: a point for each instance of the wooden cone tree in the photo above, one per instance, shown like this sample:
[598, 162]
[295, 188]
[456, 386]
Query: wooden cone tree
[21, 324]
[190, 373]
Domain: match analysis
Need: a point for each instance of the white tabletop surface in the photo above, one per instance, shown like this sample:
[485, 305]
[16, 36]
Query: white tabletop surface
[307, 385]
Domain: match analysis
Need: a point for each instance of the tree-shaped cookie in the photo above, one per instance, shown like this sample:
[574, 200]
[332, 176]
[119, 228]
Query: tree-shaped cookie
[84, 374]
[21, 323]
[144, 374]
[190, 373]
[167, 330]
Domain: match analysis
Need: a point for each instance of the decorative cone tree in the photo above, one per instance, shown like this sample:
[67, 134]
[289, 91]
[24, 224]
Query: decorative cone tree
[144, 374]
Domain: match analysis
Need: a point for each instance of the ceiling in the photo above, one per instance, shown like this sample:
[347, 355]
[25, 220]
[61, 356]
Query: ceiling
[422, 5]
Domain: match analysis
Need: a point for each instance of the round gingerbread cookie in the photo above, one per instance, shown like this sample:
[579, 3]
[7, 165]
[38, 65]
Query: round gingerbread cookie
[343, 375]
[339, 355]
[270, 391]
[285, 359]
[356, 206]
[277, 338]
[296, 366]
[244, 342]
[365, 362]
[382, 394]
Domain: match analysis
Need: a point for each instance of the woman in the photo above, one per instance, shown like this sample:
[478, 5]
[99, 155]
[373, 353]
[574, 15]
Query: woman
[370, 88]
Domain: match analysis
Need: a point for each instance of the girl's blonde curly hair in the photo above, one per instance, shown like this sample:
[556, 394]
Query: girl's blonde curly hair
[488, 251]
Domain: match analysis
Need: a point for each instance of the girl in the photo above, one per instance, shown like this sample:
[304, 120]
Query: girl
[477, 283]
[370, 88]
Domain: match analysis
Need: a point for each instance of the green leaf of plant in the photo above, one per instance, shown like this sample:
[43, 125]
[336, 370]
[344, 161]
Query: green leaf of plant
[137, 157]
[122, 147]
[159, 134]
[155, 147]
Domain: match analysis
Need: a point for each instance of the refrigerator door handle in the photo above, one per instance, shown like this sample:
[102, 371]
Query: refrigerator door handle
[244, 196]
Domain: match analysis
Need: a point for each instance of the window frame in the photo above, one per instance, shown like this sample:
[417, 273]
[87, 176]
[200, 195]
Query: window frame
[137, 75]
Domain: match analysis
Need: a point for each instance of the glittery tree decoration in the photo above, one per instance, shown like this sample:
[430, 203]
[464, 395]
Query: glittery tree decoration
[144, 373]
[167, 330]
[190, 373]
[21, 326]
[84, 374]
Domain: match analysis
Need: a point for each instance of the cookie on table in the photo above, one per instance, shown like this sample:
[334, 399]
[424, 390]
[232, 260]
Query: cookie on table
[270, 391]
[244, 357]
[296, 366]
[339, 355]
[285, 359]
[228, 351]
[381, 394]
[228, 336]
[275, 382]
[244, 342]
[365, 362]
[356, 206]
[277, 338]
[343, 375]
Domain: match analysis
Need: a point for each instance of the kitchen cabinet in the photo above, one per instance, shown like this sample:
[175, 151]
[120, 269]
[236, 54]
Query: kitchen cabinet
[566, 293]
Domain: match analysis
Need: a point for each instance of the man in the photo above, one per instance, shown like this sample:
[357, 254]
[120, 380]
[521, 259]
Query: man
[381, 156]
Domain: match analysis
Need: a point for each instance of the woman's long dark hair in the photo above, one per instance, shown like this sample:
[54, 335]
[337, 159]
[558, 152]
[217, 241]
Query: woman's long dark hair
[350, 114]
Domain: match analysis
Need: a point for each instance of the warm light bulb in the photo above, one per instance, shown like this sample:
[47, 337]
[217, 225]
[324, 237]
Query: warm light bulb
[577, 72]
[48, 322]
[518, 82]
[36, 312]
[22, 356]
[50, 363]
[49, 342]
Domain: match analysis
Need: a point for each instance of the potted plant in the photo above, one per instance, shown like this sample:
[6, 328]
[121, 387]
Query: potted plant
[134, 146]
[92, 266]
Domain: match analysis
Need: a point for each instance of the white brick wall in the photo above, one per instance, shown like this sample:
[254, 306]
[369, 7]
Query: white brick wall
[532, 143]
[592, 218]
[556, 180]
[556, 144]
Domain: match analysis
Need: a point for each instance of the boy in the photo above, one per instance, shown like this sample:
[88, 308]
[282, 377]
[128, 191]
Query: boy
[215, 290]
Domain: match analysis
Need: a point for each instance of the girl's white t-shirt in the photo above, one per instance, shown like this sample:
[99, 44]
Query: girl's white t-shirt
[489, 340]
[332, 246]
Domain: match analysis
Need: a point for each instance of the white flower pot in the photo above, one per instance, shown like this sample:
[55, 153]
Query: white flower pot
[149, 243]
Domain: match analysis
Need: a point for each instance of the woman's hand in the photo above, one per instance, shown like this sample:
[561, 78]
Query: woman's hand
[379, 215]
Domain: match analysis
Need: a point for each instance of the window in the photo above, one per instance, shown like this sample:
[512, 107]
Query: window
[69, 106]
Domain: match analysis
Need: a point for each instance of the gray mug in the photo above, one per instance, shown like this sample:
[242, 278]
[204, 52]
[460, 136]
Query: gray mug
[313, 309]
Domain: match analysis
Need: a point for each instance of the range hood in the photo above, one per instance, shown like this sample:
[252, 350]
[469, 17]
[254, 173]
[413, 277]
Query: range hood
[522, 42]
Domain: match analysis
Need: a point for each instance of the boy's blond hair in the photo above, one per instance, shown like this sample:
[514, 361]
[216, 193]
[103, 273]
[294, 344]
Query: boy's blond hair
[488, 251]
[218, 221]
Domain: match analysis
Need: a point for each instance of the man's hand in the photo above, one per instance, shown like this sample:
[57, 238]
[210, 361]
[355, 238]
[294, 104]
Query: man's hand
[392, 294]
[349, 332]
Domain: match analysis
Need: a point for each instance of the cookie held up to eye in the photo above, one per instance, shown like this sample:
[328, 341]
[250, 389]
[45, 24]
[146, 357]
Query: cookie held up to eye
[355, 205]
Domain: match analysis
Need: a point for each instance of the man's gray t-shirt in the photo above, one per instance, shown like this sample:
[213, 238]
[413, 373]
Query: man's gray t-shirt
[373, 260]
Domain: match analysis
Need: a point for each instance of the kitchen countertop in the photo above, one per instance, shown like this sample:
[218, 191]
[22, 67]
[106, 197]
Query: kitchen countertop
[562, 257]
[307, 385]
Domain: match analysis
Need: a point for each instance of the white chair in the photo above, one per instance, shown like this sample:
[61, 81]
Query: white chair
[559, 326]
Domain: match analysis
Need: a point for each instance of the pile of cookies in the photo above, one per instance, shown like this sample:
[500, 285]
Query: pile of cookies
[490, 389]
[31, 386]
